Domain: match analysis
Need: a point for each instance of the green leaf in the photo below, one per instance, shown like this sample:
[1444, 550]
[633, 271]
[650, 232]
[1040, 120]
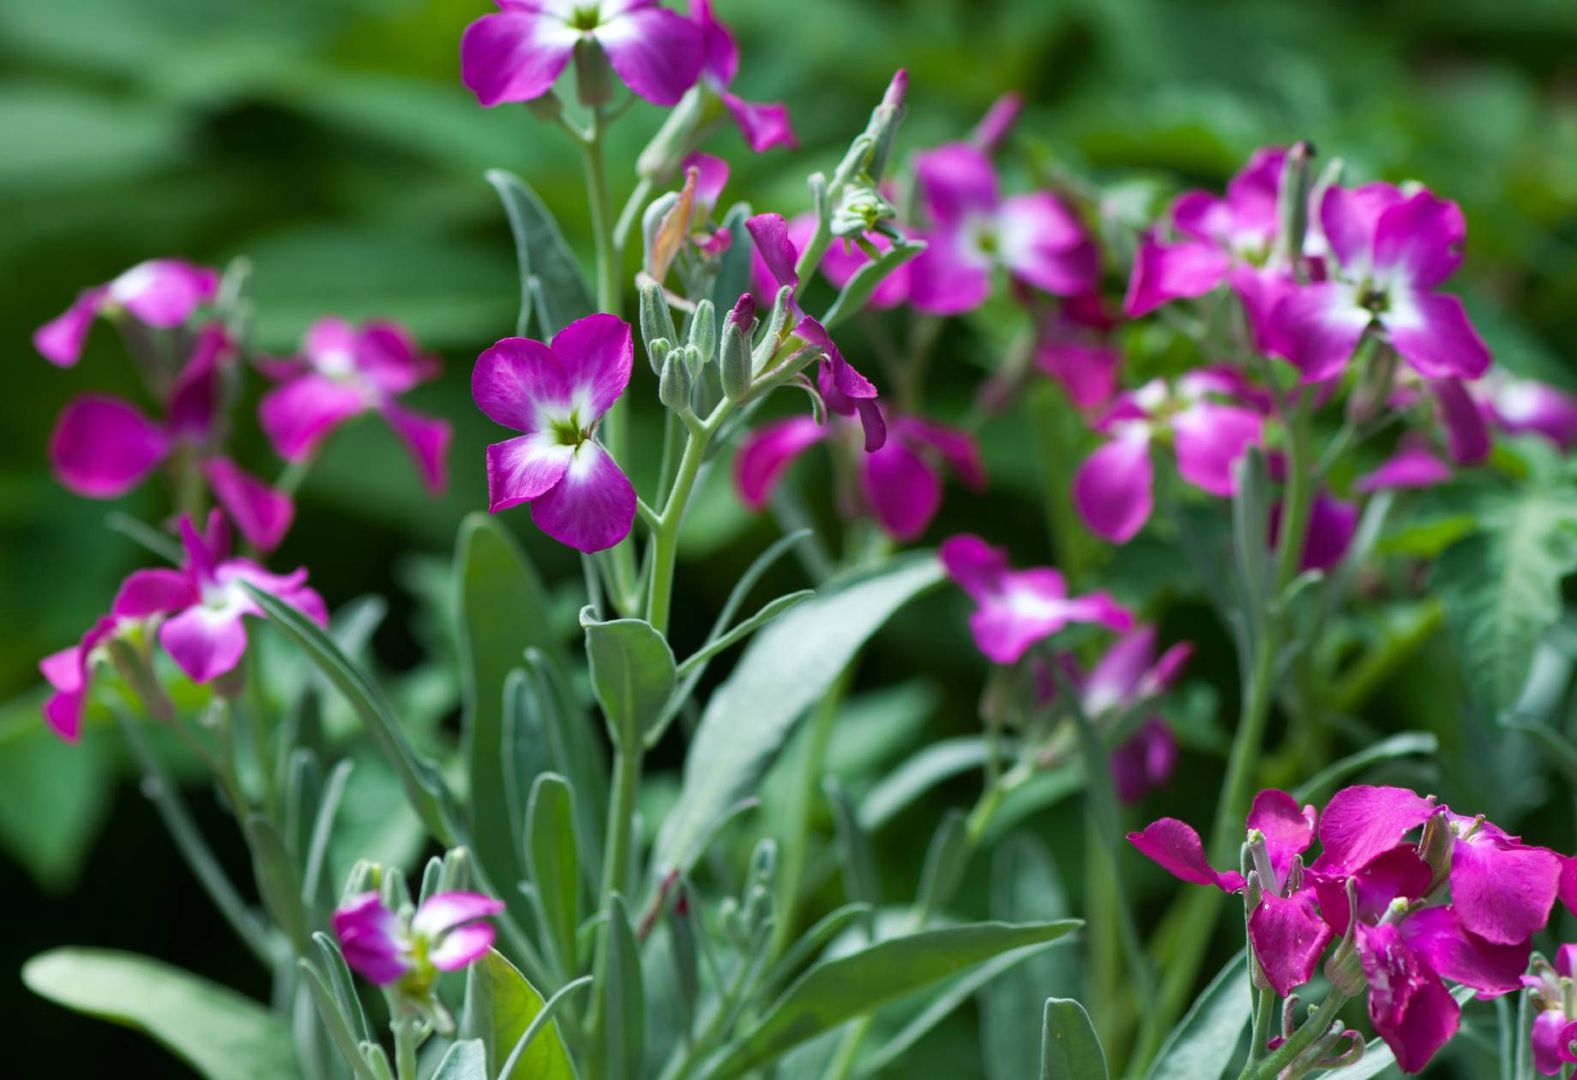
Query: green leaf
[940, 761]
[219, 1033]
[945, 861]
[632, 675]
[552, 288]
[1422, 743]
[1501, 588]
[836, 991]
[466, 1060]
[423, 786]
[1025, 887]
[53, 794]
[552, 867]
[499, 1006]
[502, 613]
[769, 611]
[785, 670]
[733, 272]
[623, 997]
[860, 882]
[278, 879]
[1069, 1047]
[577, 756]
[1203, 1044]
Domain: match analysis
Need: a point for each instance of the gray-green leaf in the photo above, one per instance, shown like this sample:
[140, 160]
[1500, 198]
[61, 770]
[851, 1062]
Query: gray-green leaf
[551, 286]
[632, 675]
[1069, 1047]
[1203, 1045]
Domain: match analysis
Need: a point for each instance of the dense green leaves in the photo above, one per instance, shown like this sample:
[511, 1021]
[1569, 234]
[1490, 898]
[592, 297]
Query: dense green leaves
[552, 290]
[838, 990]
[1069, 1047]
[632, 675]
[221, 1034]
[786, 669]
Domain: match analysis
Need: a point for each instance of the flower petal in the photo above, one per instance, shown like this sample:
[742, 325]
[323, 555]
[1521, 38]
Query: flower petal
[1362, 821]
[1316, 328]
[514, 55]
[977, 567]
[164, 292]
[1501, 890]
[427, 438]
[777, 250]
[194, 401]
[1350, 217]
[948, 278]
[1410, 467]
[522, 384]
[298, 415]
[1113, 488]
[1087, 372]
[1419, 241]
[656, 52]
[956, 181]
[1552, 1038]
[463, 946]
[1431, 332]
[767, 453]
[61, 339]
[1438, 935]
[443, 912]
[102, 447]
[370, 936]
[1209, 439]
[1115, 678]
[204, 643]
[1166, 272]
[592, 507]
[903, 490]
[764, 124]
[598, 352]
[1175, 847]
[1288, 938]
[1408, 1005]
[1144, 762]
[524, 468]
[1042, 243]
[1287, 827]
[720, 51]
[263, 514]
[1467, 433]
[154, 592]
[1524, 405]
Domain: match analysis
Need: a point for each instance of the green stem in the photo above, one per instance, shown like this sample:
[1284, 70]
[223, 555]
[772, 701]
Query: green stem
[1317, 1024]
[665, 537]
[621, 819]
[1264, 1011]
[405, 1044]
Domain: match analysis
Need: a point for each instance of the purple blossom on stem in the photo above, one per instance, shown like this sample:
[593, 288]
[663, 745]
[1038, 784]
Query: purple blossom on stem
[161, 293]
[1016, 609]
[1522, 406]
[555, 395]
[342, 372]
[763, 124]
[518, 52]
[1554, 1030]
[448, 931]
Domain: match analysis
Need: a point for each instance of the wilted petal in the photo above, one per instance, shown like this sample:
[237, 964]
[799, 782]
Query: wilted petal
[1176, 848]
[656, 52]
[1362, 821]
[263, 514]
[1113, 488]
[767, 453]
[1456, 953]
[592, 507]
[427, 438]
[1209, 439]
[1288, 938]
[102, 447]
[764, 124]
[514, 55]
[1503, 891]
[1408, 1005]
[1166, 272]
[61, 339]
[1431, 332]
[301, 413]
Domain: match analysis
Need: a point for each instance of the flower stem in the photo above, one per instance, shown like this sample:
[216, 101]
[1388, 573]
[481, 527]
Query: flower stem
[1316, 1025]
[665, 535]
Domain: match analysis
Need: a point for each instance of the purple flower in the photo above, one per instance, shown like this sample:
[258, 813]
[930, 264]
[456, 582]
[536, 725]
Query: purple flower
[68, 673]
[1218, 240]
[994, 127]
[1144, 762]
[900, 482]
[518, 53]
[841, 261]
[1519, 406]
[102, 447]
[342, 372]
[763, 124]
[1553, 1030]
[974, 230]
[1015, 609]
[1391, 252]
[1413, 465]
[555, 395]
[448, 932]
[161, 293]
[1113, 488]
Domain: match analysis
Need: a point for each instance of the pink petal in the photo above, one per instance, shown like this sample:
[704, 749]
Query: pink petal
[1042, 243]
[195, 399]
[1438, 935]
[386, 355]
[1253, 195]
[956, 180]
[1114, 681]
[298, 415]
[63, 669]
[775, 247]
[948, 277]
[1408, 1005]
[1144, 762]
[1112, 489]
[954, 446]
[1552, 1038]
[525, 468]
[1176, 848]
[720, 51]
[164, 292]
[1419, 241]
[1410, 467]
[262, 514]
[1260, 290]
[370, 936]
[1431, 332]
[764, 124]
[592, 507]
[1087, 372]
[1467, 433]
[1200, 215]
[514, 55]
[154, 592]
[204, 643]
[102, 447]
[1362, 821]
[904, 492]
[462, 947]
[443, 912]
[1288, 829]
[1209, 439]
[1166, 272]
[975, 565]
[1501, 890]
[61, 339]
[767, 453]
[1524, 405]
[1332, 524]
[711, 176]
[657, 53]
[521, 384]
[598, 352]
[1288, 939]
[427, 438]
[993, 128]
[1395, 873]
[1350, 217]
[1316, 327]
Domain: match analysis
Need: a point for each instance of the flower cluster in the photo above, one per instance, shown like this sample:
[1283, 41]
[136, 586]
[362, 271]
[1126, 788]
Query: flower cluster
[1410, 894]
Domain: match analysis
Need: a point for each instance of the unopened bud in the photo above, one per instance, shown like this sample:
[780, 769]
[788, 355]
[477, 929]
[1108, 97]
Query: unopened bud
[679, 134]
[998, 122]
[883, 127]
[703, 331]
[546, 108]
[735, 366]
[656, 321]
[1293, 208]
[1436, 845]
[657, 352]
[673, 385]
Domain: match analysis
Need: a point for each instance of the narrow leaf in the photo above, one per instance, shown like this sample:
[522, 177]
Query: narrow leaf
[1069, 1047]
[1203, 1044]
[551, 281]
[552, 867]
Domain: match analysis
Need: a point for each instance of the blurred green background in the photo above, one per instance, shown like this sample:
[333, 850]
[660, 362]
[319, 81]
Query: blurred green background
[331, 141]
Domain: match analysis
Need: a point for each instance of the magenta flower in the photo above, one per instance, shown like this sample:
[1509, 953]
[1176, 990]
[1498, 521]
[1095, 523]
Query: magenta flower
[161, 293]
[1113, 489]
[446, 933]
[900, 482]
[68, 673]
[1553, 1030]
[1016, 609]
[975, 230]
[763, 124]
[518, 53]
[102, 447]
[555, 395]
[1519, 406]
[995, 126]
[1391, 251]
[344, 371]
[1413, 466]
[1218, 240]
[841, 261]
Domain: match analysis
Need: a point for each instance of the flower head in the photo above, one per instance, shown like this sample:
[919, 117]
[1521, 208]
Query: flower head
[518, 52]
[555, 395]
[342, 372]
[446, 933]
[161, 293]
[763, 124]
[1016, 609]
[1554, 1029]
[975, 230]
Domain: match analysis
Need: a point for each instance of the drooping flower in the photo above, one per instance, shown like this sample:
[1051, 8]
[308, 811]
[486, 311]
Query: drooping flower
[975, 230]
[900, 482]
[1016, 609]
[556, 394]
[1392, 250]
[1113, 487]
[342, 372]
[1554, 1031]
[518, 52]
[763, 124]
[161, 293]
[447, 932]
[103, 447]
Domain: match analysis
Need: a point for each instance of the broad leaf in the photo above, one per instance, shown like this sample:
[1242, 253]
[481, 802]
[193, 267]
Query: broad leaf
[499, 1006]
[466, 1060]
[836, 991]
[1204, 1044]
[552, 288]
[786, 669]
[632, 675]
[1069, 1047]
[53, 795]
[221, 1034]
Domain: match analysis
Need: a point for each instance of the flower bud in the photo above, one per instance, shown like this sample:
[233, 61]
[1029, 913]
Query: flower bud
[1435, 847]
[1293, 207]
[656, 321]
[703, 331]
[736, 367]
[593, 75]
[777, 323]
[547, 108]
[859, 210]
[652, 221]
[994, 127]
[657, 352]
[883, 127]
[674, 384]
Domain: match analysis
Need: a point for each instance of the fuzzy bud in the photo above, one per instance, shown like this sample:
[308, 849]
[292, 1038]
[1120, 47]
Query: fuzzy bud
[656, 322]
[703, 331]
[736, 368]
[674, 384]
